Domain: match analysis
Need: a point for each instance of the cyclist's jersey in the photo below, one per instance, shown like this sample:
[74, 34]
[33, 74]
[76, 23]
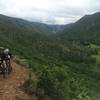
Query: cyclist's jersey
[4, 56]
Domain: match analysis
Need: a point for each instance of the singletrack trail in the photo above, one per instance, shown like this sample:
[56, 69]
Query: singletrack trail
[10, 86]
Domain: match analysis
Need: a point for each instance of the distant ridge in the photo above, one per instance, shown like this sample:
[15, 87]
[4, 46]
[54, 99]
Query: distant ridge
[86, 28]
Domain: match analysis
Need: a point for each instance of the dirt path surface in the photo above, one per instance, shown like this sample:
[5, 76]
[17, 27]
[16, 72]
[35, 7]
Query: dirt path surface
[10, 87]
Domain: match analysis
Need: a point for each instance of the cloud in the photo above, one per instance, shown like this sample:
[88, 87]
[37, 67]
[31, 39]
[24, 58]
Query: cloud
[49, 11]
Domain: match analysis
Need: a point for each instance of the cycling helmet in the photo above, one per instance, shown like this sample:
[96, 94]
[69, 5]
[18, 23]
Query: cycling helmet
[6, 51]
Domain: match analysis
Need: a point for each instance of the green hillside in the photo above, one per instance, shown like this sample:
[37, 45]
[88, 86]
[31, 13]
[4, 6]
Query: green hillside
[65, 70]
[18, 25]
[86, 29]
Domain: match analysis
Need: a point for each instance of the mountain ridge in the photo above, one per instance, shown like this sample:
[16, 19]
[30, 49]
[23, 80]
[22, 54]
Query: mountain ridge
[86, 28]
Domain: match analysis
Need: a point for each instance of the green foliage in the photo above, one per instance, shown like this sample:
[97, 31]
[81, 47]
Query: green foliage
[30, 85]
[58, 83]
[85, 30]
[64, 68]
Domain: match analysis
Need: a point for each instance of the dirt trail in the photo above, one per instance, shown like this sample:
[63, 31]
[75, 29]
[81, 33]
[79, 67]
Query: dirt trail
[10, 87]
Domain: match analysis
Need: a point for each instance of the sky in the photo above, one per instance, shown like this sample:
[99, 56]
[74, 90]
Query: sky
[49, 11]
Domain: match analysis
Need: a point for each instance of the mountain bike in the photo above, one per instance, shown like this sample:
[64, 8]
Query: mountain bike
[5, 67]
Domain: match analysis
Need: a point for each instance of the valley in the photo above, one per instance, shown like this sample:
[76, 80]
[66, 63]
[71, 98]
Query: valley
[65, 59]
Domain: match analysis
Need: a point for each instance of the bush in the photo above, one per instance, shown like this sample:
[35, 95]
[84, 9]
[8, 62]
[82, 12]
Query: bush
[58, 83]
[30, 85]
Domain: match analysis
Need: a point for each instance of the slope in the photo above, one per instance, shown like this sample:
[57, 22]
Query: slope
[23, 37]
[87, 28]
[11, 24]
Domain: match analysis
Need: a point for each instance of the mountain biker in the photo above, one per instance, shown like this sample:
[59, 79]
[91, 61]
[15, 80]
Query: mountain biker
[5, 55]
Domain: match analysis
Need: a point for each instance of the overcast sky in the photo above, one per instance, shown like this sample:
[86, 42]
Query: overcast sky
[49, 11]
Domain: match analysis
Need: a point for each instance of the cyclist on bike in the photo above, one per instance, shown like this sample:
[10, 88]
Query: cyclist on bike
[6, 55]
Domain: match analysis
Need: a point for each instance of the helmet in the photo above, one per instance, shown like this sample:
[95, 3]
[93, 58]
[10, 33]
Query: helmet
[6, 51]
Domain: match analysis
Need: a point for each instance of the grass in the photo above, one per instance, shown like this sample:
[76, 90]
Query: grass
[95, 46]
[97, 67]
[98, 55]
[20, 61]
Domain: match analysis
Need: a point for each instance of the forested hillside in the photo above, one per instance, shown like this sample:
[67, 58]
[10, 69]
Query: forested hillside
[85, 29]
[9, 24]
[65, 69]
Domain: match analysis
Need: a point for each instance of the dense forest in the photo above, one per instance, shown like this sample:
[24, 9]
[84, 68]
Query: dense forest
[67, 63]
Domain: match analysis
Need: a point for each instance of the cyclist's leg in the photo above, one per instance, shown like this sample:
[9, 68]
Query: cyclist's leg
[0, 63]
[1, 66]
[8, 63]
[4, 68]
